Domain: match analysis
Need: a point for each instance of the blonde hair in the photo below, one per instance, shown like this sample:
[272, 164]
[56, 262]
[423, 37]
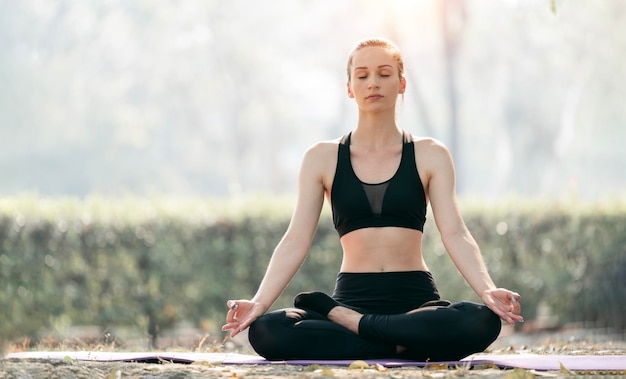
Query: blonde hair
[378, 42]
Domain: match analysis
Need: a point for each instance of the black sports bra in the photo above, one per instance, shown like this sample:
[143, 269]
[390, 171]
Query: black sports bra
[399, 201]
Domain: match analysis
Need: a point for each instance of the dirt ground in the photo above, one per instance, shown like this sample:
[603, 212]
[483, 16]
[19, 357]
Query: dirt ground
[565, 343]
[60, 369]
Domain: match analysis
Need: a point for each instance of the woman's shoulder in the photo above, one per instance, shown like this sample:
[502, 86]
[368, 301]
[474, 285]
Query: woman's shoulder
[324, 147]
[322, 153]
[428, 143]
[432, 155]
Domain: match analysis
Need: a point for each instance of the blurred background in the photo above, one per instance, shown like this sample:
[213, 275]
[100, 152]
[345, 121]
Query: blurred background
[223, 97]
[127, 128]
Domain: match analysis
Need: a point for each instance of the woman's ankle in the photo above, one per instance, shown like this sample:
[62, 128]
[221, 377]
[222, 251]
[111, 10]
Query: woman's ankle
[346, 317]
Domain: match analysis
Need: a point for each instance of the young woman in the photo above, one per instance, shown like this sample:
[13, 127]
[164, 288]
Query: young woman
[378, 180]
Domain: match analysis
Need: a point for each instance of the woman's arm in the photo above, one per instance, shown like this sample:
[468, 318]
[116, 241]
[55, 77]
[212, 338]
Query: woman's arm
[293, 248]
[295, 244]
[457, 239]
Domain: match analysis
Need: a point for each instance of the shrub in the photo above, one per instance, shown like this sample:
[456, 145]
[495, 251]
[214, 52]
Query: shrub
[149, 263]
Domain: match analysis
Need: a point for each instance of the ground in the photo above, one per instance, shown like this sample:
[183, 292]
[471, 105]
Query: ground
[577, 343]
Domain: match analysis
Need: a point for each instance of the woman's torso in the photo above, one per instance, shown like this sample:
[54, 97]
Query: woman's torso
[378, 249]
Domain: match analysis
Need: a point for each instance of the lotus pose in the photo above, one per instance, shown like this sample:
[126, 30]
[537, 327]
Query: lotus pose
[378, 181]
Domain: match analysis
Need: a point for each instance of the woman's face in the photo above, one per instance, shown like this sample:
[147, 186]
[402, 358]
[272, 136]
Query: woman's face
[374, 79]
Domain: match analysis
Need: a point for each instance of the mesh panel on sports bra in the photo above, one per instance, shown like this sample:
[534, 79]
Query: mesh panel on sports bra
[375, 195]
[398, 202]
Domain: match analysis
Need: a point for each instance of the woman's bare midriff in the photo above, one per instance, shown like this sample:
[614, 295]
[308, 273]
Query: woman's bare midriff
[386, 249]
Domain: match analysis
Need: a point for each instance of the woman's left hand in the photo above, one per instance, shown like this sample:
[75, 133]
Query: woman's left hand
[504, 303]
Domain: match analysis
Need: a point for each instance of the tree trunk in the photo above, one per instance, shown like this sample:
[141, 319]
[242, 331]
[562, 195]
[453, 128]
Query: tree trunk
[452, 23]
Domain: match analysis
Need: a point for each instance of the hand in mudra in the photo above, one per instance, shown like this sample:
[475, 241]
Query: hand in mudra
[241, 314]
[504, 303]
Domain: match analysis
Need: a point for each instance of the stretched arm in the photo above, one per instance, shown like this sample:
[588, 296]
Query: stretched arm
[458, 241]
[290, 252]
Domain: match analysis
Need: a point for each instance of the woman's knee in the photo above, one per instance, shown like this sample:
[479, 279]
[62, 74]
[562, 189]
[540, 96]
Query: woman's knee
[260, 328]
[482, 320]
[263, 335]
[270, 334]
[491, 324]
[494, 324]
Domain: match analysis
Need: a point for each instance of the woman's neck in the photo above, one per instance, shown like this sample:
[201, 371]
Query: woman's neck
[376, 130]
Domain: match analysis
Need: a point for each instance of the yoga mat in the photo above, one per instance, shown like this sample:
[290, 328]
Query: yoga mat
[176, 357]
[526, 361]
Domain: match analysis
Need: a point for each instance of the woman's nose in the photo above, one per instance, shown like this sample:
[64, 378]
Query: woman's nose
[372, 83]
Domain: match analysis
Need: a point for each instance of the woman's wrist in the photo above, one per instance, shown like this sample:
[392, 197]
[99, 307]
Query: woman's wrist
[486, 292]
[259, 301]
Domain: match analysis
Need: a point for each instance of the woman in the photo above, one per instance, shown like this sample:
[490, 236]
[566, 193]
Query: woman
[378, 180]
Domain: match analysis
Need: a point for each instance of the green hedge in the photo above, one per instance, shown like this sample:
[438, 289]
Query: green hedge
[149, 263]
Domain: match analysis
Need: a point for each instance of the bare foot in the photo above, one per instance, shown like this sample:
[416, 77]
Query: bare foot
[345, 317]
[350, 319]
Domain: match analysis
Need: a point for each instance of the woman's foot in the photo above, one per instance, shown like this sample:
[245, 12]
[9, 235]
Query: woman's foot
[346, 317]
[315, 301]
[330, 308]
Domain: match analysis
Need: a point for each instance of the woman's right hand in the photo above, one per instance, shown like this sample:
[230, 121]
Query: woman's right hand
[241, 314]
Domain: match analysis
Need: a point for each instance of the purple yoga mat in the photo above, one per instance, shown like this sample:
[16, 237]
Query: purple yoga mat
[526, 361]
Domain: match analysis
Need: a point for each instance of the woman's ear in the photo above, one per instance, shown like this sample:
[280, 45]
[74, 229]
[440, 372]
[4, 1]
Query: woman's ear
[350, 93]
[402, 85]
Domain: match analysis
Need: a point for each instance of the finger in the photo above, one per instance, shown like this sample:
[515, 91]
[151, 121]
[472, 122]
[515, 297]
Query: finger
[229, 326]
[516, 307]
[506, 317]
[503, 311]
[233, 331]
[232, 311]
[231, 316]
[242, 326]
[514, 317]
[496, 308]
[515, 320]
[232, 304]
[513, 302]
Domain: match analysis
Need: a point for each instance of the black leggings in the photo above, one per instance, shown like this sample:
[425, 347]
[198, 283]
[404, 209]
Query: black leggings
[399, 309]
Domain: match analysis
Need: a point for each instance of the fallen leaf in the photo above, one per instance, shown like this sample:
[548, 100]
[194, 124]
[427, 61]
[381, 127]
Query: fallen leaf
[545, 374]
[380, 368]
[358, 364]
[437, 366]
[485, 366]
[519, 373]
[312, 368]
[564, 370]
[68, 359]
[325, 372]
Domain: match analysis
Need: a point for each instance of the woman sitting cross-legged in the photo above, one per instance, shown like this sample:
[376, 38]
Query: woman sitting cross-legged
[378, 181]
